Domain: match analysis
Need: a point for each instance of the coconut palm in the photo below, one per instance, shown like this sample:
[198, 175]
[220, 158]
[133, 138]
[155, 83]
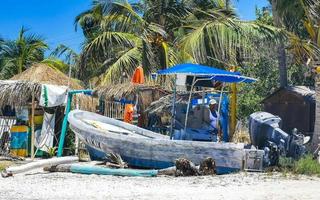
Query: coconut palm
[19, 54]
[124, 40]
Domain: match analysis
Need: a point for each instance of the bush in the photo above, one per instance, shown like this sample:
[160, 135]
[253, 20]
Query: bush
[307, 165]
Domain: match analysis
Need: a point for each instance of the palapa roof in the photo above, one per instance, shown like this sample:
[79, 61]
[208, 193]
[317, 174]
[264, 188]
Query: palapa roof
[44, 74]
[18, 93]
[126, 90]
[18, 90]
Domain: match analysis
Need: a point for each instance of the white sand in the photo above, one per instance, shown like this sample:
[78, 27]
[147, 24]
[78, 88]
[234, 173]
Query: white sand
[236, 186]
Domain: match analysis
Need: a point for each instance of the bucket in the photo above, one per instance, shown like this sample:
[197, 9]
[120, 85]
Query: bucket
[38, 119]
[19, 141]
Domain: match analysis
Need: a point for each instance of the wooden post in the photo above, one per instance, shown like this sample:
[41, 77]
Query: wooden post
[233, 109]
[32, 126]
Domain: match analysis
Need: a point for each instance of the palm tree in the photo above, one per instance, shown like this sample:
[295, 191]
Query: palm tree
[69, 56]
[281, 47]
[311, 23]
[302, 18]
[124, 40]
[134, 34]
[19, 54]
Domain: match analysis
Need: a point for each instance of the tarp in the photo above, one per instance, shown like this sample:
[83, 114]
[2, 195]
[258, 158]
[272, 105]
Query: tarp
[45, 136]
[138, 76]
[206, 72]
[52, 95]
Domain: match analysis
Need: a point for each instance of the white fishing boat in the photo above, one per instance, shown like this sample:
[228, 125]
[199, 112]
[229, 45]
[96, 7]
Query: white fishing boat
[143, 148]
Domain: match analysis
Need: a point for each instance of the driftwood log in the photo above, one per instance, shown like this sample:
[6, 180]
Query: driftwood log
[57, 168]
[184, 167]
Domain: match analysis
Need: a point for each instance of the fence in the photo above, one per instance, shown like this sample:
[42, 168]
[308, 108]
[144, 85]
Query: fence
[114, 109]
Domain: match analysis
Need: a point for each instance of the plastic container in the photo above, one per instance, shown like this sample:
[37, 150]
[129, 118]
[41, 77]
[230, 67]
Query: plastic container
[19, 141]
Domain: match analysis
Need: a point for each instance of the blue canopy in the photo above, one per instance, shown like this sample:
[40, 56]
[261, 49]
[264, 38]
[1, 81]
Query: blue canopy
[206, 72]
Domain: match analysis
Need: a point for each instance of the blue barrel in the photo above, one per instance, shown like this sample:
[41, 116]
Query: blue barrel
[19, 141]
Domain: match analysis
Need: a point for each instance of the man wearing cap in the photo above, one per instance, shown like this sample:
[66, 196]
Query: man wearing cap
[213, 115]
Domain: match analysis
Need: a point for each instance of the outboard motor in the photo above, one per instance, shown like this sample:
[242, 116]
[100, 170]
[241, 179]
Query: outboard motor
[265, 134]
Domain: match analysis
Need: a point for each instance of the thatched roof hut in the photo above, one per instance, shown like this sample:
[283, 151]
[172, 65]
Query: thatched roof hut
[42, 73]
[18, 93]
[18, 90]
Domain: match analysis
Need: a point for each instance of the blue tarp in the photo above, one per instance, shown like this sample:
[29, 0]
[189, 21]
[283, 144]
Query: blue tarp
[206, 72]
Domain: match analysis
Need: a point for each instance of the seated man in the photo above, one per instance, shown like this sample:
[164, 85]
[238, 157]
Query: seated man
[213, 115]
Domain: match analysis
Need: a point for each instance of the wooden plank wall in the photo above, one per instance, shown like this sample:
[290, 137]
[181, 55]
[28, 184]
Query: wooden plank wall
[114, 110]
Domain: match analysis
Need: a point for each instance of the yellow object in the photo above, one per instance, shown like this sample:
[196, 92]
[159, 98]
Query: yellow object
[166, 52]
[233, 104]
[318, 70]
[19, 152]
[38, 119]
[19, 129]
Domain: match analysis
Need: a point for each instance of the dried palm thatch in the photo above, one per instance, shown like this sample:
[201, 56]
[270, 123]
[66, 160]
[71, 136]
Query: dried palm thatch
[164, 104]
[145, 93]
[18, 93]
[42, 73]
[18, 90]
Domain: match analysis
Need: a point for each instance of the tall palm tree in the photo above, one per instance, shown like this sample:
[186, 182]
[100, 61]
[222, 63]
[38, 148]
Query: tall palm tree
[19, 54]
[69, 56]
[131, 34]
[124, 40]
[302, 17]
[311, 22]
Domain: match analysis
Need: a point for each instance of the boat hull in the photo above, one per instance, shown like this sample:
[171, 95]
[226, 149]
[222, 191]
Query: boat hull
[154, 150]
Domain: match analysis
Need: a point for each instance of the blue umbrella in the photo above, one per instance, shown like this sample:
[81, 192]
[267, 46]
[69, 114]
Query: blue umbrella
[206, 72]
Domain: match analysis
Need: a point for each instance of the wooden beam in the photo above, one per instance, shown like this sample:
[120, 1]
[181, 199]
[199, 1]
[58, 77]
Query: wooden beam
[32, 126]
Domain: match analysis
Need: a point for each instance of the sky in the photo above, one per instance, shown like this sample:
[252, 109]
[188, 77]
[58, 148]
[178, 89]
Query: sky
[54, 19]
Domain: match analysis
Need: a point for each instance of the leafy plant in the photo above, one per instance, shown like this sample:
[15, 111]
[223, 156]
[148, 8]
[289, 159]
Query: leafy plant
[307, 165]
[52, 151]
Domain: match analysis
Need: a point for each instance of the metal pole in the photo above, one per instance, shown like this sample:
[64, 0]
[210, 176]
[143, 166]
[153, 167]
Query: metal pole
[64, 126]
[173, 112]
[65, 119]
[188, 106]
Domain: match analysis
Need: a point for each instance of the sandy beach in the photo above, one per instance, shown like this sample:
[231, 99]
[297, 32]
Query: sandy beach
[40, 185]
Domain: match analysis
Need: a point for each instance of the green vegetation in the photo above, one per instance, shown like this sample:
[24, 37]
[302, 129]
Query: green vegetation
[281, 46]
[5, 164]
[307, 166]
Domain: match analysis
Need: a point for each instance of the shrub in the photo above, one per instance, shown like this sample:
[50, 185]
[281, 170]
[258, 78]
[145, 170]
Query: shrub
[307, 165]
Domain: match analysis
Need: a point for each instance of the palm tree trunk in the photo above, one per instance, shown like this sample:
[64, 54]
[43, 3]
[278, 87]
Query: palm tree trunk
[282, 63]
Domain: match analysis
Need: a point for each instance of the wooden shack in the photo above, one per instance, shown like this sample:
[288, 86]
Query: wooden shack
[295, 105]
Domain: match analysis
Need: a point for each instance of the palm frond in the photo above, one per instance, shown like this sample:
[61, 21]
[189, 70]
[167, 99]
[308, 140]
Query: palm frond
[126, 63]
[108, 40]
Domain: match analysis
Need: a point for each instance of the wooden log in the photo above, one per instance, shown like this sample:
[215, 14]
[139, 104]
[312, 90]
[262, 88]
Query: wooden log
[32, 126]
[58, 168]
[37, 164]
[170, 171]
